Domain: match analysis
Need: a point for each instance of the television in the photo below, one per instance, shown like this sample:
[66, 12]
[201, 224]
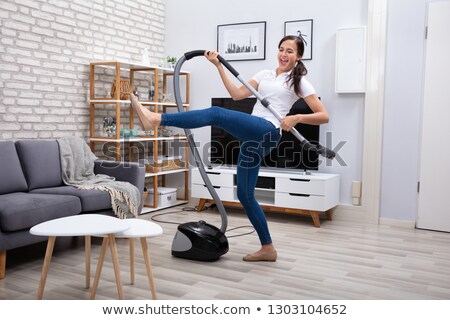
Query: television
[288, 154]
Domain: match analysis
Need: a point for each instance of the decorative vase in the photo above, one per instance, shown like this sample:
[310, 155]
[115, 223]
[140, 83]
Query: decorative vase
[151, 90]
[124, 88]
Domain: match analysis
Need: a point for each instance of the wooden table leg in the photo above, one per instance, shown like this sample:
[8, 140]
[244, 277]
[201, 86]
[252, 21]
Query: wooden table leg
[87, 254]
[115, 259]
[148, 266]
[329, 214]
[315, 217]
[201, 204]
[46, 265]
[2, 264]
[132, 260]
[101, 258]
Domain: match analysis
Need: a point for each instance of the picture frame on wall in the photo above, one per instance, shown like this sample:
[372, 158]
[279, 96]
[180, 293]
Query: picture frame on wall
[242, 41]
[304, 30]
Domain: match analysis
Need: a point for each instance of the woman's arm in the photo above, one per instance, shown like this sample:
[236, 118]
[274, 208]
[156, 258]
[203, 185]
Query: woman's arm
[319, 115]
[237, 93]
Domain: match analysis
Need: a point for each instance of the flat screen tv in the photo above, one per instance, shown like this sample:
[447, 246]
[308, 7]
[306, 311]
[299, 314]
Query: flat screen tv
[288, 154]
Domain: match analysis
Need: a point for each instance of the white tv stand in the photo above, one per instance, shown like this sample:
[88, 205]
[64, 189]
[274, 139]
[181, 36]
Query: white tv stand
[283, 190]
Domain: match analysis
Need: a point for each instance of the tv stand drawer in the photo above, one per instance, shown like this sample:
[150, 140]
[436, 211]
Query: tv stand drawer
[224, 193]
[300, 201]
[217, 178]
[305, 185]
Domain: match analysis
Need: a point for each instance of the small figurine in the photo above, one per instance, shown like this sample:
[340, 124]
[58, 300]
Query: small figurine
[109, 126]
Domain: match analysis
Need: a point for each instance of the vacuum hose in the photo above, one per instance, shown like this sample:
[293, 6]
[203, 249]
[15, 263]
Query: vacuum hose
[197, 158]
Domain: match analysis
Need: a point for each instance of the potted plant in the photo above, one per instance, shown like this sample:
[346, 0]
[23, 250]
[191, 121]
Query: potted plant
[171, 61]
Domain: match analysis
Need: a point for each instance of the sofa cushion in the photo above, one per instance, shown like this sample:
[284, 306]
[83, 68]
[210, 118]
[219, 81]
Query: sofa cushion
[40, 163]
[12, 178]
[21, 210]
[91, 200]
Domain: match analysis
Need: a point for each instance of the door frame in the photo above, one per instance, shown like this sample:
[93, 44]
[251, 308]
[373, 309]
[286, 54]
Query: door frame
[369, 211]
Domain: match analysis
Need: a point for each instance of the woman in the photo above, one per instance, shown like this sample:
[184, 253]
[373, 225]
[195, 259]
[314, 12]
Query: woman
[258, 132]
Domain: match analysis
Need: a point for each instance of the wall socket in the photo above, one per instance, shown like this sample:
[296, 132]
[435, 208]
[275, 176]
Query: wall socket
[356, 193]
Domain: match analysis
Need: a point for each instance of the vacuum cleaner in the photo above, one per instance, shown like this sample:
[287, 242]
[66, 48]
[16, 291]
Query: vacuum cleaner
[199, 240]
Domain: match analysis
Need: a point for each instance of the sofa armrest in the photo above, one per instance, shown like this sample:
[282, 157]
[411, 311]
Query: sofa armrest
[131, 172]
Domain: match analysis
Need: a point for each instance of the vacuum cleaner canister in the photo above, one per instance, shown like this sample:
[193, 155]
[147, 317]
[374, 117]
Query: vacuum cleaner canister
[199, 241]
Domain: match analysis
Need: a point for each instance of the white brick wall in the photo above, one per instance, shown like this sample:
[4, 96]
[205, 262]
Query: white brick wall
[45, 50]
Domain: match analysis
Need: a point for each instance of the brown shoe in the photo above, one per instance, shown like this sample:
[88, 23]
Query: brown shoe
[261, 256]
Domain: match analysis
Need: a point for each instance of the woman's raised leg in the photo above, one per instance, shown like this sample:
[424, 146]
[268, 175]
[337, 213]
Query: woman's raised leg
[241, 125]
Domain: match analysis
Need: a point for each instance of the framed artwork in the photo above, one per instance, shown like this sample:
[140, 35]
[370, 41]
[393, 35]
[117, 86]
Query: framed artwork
[242, 41]
[304, 30]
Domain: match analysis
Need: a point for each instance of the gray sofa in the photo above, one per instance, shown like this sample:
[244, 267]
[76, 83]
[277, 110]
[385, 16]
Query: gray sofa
[32, 191]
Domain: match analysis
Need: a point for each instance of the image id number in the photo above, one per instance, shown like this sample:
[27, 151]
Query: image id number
[307, 309]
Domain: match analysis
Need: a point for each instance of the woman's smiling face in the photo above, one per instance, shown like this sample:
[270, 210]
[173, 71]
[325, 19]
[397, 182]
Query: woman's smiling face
[287, 56]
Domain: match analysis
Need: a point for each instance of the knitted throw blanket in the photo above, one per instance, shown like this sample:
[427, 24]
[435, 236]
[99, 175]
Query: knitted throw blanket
[77, 166]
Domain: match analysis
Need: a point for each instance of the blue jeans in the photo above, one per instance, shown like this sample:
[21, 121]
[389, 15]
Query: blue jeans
[258, 137]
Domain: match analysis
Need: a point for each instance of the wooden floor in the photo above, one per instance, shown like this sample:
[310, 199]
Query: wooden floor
[340, 260]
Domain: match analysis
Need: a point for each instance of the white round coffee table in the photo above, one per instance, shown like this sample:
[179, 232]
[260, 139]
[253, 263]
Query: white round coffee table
[81, 225]
[139, 228]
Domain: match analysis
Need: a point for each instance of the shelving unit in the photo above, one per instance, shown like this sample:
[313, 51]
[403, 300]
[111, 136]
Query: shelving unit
[140, 78]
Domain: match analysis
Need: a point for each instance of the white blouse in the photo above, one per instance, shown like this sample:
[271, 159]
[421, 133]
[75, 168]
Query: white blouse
[280, 95]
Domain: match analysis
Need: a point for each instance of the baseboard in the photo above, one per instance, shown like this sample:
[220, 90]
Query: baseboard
[398, 223]
[353, 213]
[360, 214]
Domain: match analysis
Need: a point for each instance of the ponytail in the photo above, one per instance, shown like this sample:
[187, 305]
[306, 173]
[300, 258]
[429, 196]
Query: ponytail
[295, 77]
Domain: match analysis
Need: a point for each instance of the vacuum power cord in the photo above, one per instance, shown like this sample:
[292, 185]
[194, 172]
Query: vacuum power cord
[191, 209]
